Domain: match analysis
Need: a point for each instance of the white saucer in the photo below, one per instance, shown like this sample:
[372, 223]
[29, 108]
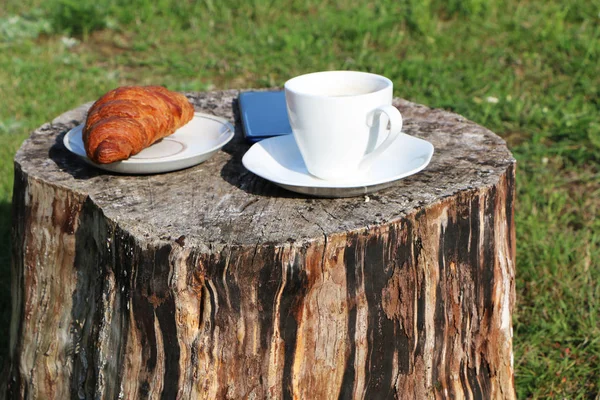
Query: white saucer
[278, 160]
[190, 145]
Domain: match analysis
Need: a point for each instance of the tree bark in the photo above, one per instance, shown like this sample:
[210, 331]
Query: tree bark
[211, 283]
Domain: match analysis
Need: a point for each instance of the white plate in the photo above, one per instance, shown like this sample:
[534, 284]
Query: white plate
[190, 145]
[278, 160]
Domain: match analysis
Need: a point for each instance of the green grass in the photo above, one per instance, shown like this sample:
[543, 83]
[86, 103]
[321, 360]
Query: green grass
[539, 59]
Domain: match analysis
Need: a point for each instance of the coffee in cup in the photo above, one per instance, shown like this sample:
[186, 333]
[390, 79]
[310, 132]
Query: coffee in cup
[338, 118]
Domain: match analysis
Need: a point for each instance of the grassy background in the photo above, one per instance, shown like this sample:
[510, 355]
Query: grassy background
[528, 70]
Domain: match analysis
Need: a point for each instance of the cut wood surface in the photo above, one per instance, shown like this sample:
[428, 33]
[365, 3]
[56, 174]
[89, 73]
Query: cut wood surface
[212, 283]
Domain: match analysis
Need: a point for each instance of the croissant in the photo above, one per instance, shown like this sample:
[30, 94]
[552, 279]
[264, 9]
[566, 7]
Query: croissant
[128, 119]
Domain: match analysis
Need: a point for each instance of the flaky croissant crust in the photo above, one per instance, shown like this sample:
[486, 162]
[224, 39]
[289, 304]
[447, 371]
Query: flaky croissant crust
[128, 119]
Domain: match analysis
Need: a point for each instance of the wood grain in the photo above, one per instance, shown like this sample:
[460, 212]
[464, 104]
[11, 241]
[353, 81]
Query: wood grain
[213, 283]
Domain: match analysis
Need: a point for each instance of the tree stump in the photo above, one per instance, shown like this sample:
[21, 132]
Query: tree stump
[211, 283]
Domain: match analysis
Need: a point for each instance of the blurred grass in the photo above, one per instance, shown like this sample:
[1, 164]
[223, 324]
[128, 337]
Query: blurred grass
[528, 70]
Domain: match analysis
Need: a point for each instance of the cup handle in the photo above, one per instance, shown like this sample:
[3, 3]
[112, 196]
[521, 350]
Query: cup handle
[395, 128]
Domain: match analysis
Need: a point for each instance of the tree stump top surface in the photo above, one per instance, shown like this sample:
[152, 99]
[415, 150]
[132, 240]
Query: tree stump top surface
[219, 201]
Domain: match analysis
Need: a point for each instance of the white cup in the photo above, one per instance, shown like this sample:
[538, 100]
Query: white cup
[337, 119]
